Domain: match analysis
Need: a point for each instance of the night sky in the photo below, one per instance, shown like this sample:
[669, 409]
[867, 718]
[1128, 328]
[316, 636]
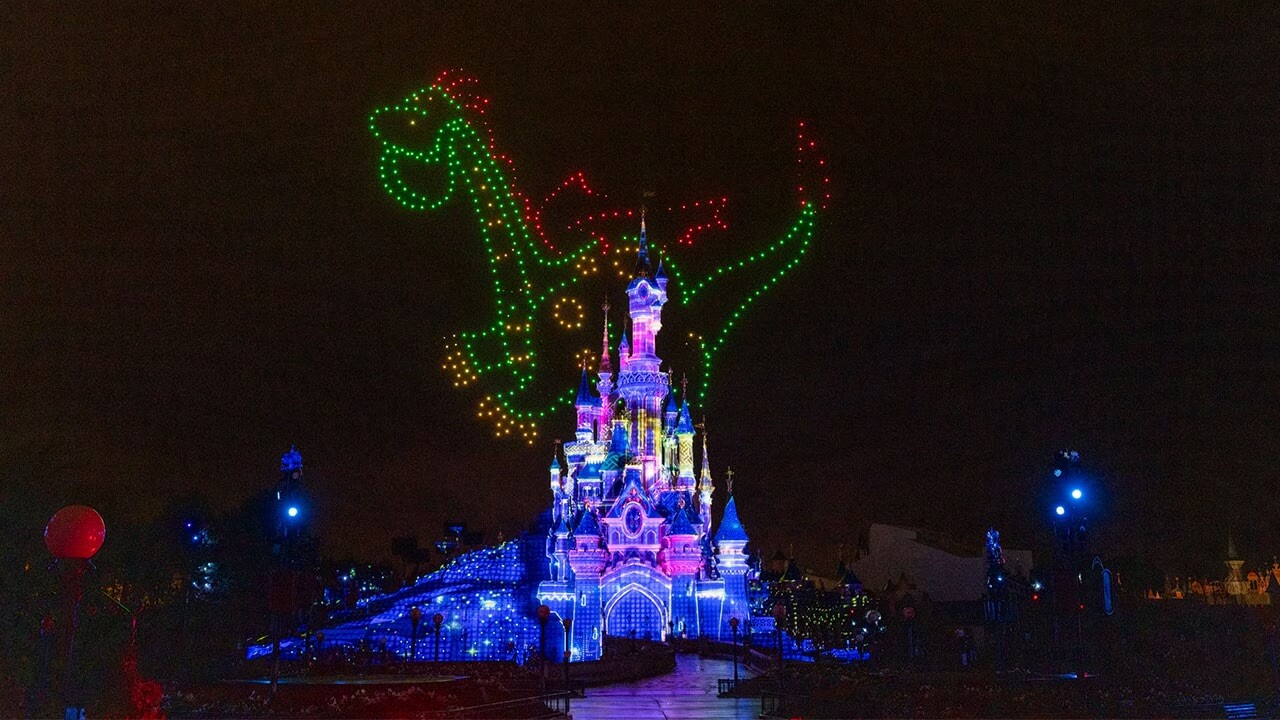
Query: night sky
[1051, 227]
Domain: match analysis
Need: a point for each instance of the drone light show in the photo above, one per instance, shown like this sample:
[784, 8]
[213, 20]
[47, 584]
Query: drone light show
[547, 279]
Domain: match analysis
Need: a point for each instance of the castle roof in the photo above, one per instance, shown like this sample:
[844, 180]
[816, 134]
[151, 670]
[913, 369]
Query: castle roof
[643, 269]
[631, 487]
[562, 527]
[671, 502]
[587, 524]
[678, 523]
[730, 526]
[686, 423]
[585, 397]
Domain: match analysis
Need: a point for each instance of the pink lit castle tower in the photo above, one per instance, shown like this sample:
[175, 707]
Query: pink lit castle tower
[630, 548]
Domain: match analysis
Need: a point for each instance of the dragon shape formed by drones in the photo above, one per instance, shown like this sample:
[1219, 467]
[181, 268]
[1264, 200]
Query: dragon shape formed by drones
[435, 147]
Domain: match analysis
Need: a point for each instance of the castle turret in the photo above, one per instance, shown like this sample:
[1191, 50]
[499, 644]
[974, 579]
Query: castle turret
[624, 353]
[605, 385]
[587, 558]
[586, 406]
[705, 486]
[555, 472]
[731, 543]
[682, 559]
[684, 439]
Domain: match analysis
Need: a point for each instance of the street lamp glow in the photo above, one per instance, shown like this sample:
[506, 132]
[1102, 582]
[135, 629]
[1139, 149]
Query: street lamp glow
[1060, 510]
[293, 512]
[1076, 494]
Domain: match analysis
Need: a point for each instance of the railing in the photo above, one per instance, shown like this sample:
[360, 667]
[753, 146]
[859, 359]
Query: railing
[770, 702]
[555, 705]
[724, 686]
[775, 705]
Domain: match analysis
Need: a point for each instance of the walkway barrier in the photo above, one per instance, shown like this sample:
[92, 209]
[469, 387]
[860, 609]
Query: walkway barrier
[770, 702]
[552, 705]
[724, 686]
[773, 705]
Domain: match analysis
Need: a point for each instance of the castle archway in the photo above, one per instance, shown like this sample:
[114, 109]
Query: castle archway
[635, 609]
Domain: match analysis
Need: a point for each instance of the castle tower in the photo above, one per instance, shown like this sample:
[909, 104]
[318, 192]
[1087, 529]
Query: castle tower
[587, 407]
[705, 486]
[555, 476]
[640, 562]
[587, 558]
[670, 447]
[642, 384]
[605, 385]
[684, 440]
[682, 561]
[731, 543]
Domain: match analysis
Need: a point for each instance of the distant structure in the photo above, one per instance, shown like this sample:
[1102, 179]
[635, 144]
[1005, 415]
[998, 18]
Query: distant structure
[1238, 587]
[935, 566]
[626, 547]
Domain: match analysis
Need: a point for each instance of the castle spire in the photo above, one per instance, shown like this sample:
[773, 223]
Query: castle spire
[606, 366]
[584, 398]
[643, 269]
[705, 485]
[555, 469]
[706, 461]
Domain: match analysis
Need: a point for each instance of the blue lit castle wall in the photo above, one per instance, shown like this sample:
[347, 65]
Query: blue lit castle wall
[486, 599]
[626, 547]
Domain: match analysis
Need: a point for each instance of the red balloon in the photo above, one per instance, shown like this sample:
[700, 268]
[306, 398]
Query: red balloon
[75, 532]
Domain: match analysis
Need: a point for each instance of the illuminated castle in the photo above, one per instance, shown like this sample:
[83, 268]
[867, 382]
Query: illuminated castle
[630, 548]
[625, 549]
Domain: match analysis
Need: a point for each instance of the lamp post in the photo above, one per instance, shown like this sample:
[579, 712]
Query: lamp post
[74, 534]
[415, 617]
[544, 613]
[1071, 528]
[733, 626]
[437, 620]
[568, 623]
[779, 615]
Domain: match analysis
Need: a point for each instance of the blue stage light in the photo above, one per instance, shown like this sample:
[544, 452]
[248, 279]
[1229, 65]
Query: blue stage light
[1060, 510]
[1076, 494]
[293, 512]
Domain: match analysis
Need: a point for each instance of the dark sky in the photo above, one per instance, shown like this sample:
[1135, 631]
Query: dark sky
[1052, 227]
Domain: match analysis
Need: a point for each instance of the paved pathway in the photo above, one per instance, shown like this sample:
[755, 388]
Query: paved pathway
[688, 693]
